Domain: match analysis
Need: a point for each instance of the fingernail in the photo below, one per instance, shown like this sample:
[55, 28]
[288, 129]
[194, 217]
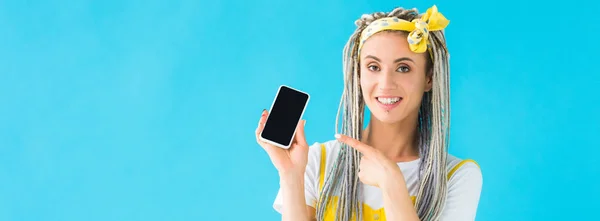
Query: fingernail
[337, 136]
[304, 123]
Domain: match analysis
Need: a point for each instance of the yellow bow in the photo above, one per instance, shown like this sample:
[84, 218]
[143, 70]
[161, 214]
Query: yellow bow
[419, 29]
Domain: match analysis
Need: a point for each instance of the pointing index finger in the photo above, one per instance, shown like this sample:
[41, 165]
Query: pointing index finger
[361, 147]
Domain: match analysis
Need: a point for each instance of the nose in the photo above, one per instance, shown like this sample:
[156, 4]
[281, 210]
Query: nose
[386, 82]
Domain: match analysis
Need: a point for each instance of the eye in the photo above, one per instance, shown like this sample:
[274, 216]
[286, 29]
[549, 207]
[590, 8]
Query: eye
[403, 69]
[373, 67]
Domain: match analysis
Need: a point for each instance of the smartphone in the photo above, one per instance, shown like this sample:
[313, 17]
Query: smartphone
[285, 114]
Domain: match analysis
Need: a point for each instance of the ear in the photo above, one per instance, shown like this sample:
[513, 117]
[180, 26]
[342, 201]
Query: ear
[429, 82]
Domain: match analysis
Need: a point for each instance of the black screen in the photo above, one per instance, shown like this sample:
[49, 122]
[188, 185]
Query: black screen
[284, 116]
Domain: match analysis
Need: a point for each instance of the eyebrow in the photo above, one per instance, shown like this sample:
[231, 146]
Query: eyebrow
[395, 61]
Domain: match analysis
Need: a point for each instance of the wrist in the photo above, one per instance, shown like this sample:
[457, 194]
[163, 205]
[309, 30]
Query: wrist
[291, 177]
[396, 198]
[393, 181]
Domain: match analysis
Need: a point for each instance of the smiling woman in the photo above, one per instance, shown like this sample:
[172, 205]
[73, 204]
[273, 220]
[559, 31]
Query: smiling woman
[398, 167]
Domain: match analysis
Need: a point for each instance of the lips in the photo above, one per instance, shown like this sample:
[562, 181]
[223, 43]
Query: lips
[388, 102]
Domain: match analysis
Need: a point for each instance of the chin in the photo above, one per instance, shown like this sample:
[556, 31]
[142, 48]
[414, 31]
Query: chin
[388, 117]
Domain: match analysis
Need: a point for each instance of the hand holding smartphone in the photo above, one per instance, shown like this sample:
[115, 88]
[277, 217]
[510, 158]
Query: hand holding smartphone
[281, 131]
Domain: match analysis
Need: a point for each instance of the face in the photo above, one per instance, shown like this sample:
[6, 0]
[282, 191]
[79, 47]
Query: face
[393, 78]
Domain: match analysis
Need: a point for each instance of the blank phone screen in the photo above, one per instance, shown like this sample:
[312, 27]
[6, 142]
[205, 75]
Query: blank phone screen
[284, 116]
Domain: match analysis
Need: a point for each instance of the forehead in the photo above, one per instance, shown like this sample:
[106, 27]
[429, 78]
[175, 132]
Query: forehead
[387, 45]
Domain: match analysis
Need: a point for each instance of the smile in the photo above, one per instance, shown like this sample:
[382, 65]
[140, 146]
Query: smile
[388, 100]
[388, 103]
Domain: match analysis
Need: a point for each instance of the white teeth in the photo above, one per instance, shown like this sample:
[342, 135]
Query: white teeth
[390, 100]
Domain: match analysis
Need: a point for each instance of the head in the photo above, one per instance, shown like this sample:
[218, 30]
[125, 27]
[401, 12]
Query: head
[395, 63]
[393, 79]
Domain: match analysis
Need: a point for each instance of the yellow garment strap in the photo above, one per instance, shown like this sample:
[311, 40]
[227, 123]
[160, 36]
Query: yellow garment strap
[322, 166]
[457, 166]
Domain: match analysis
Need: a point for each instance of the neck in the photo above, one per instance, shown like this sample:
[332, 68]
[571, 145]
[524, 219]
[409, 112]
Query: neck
[397, 141]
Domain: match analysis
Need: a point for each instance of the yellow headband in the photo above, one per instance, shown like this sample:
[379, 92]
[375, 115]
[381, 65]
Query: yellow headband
[419, 29]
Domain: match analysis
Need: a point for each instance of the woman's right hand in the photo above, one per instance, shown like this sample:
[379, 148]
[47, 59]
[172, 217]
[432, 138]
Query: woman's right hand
[290, 162]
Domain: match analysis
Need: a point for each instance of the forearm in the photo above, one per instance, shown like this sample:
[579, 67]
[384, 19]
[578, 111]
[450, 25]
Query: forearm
[294, 206]
[396, 201]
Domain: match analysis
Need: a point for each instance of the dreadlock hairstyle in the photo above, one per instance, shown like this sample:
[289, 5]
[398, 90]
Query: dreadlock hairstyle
[433, 124]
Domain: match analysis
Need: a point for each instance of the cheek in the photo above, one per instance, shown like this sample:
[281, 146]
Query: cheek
[364, 89]
[415, 88]
[366, 83]
[415, 84]
[409, 86]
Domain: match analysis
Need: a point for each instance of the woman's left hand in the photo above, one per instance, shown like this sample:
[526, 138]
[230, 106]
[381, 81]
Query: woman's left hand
[375, 168]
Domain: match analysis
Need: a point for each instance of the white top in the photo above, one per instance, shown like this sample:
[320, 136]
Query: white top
[464, 186]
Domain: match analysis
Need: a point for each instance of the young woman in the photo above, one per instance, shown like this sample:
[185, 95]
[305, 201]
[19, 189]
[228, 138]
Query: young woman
[397, 167]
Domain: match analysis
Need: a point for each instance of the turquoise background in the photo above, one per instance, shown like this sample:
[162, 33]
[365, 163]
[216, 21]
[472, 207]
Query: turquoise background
[146, 110]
